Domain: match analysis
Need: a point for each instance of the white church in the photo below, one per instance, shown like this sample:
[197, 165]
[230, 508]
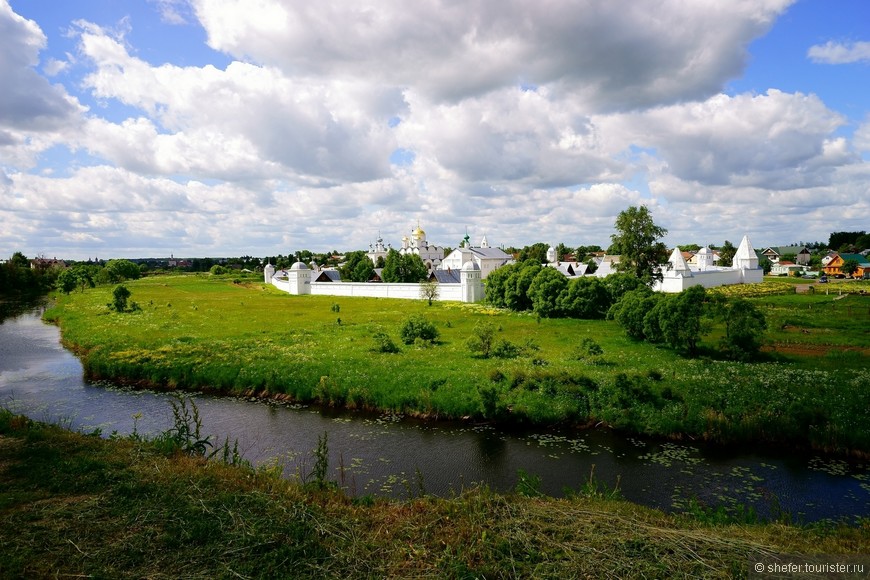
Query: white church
[417, 244]
[485, 257]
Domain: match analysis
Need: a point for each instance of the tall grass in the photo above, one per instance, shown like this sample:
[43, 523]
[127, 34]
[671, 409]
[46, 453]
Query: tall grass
[79, 506]
[202, 333]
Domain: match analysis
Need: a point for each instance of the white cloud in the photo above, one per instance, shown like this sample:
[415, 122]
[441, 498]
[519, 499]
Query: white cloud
[774, 141]
[839, 53]
[612, 55]
[28, 101]
[332, 130]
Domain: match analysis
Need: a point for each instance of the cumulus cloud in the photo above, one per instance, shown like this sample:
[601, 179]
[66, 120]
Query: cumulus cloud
[527, 122]
[28, 101]
[612, 55]
[262, 122]
[774, 141]
[840, 53]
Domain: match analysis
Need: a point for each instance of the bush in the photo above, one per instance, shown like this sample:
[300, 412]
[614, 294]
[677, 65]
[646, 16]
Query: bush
[505, 349]
[119, 298]
[416, 327]
[481, 342]
[383, 343]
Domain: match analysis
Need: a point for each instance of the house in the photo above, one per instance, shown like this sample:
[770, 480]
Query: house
[785, 268]
[834, 267]
[569, 269]
[775, 254]
[487, 258]
[47, 264]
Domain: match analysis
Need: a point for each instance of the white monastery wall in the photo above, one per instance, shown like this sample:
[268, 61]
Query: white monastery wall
[382, 290]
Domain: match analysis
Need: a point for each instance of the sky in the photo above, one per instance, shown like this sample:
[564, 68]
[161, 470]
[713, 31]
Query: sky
[262, 127]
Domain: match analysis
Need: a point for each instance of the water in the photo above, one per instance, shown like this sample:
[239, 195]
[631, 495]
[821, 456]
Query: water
[393, 455]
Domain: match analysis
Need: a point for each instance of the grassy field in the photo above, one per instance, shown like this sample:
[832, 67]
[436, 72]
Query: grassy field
[80, 506]
[200, 332]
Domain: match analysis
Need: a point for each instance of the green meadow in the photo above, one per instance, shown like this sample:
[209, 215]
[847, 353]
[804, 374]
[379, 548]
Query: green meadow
[242, 337]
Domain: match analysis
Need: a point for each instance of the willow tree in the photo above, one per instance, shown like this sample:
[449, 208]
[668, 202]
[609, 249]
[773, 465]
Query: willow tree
[638, 244]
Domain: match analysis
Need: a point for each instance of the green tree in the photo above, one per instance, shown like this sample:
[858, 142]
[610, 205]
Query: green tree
[481, 342]
[618, 284]
[537, 252]
[583, 253]
[637, 243]
[120, 270]
[544, 291]
[631, 309]
[20, 260]
[78, 276]
[587, 298]
[517, 286]
[849, 266]
[119, 298]
[429, 291]
[726, 253]
[218, 270]
[407, 268]
[357, 267]
[744, 326]
[497, 283]
[680, 319]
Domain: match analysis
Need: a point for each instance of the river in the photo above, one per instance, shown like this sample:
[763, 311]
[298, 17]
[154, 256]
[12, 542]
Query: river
[397, 456]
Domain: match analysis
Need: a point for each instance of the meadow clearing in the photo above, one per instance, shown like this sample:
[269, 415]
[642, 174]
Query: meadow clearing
[212, 333]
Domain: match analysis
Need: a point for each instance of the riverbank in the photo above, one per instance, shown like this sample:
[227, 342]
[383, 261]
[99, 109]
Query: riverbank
[81, 505]
[203, 333]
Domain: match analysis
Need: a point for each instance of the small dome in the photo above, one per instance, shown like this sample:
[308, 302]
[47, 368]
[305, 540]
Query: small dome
[470, 266]
[298, 266]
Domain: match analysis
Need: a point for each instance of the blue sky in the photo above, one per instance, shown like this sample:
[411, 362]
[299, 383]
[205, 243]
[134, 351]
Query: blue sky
[218, 127]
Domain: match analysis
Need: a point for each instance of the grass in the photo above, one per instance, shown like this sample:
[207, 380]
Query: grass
[201, 332]
[76, 505]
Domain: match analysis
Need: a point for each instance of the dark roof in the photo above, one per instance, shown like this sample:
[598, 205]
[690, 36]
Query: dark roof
[328, 276]
[444, 276]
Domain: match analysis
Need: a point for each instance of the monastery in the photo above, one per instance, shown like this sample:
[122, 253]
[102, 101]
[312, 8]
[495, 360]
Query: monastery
[460, 274]
[677, 275]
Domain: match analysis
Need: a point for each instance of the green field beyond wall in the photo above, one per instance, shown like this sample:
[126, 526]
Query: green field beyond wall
[812, 387]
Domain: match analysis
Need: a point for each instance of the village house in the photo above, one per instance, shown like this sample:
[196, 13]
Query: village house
[775, 254]
[834, 268]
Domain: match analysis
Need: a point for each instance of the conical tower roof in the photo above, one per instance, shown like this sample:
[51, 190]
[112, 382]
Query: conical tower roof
[678, 263]
[745, 257]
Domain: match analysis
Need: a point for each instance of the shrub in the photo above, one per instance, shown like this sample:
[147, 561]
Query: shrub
[383, 343]
[119, 298]
[416, 327]
[482, 341]
[505, 349]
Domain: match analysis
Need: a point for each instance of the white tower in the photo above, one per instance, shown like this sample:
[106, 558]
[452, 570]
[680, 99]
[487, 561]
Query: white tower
[268, 272]
[299, 279]
[471, 282]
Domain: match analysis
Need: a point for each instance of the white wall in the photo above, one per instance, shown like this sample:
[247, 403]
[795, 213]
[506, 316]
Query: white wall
[382, 290]
[710, 279]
